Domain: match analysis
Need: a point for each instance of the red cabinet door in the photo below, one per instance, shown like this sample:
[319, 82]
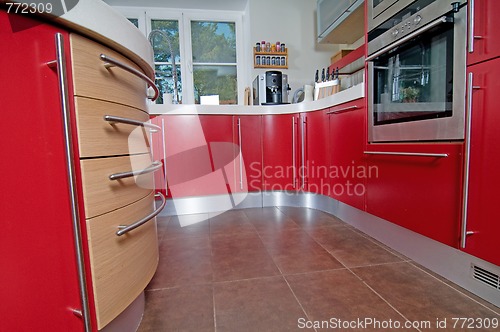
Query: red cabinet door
[38, 261]
[315, 146]
[484, 31]
[347, 167]
[420, 193]
[280, 152]
[484, 177]
[248, 137]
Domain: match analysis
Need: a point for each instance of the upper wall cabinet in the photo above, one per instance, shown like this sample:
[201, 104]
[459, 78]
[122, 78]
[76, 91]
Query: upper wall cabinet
[340, 21]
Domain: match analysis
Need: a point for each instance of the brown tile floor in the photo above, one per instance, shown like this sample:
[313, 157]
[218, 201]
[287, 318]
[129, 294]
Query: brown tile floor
[283, 269]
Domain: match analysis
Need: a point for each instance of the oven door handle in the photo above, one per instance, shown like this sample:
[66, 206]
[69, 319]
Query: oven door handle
[444, 19]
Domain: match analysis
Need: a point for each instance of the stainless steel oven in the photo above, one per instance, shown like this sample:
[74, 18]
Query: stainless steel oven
[416, 73]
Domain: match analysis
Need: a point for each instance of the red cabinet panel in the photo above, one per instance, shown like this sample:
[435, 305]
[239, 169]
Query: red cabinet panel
[347, 167]
[419, 193]
[315, 144]
[485, 28]
[158, 150]
[248, 136]
[38, 262]
[484, 177]
[280, 152]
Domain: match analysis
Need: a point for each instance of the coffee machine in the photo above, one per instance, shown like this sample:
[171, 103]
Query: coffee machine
[270, 88]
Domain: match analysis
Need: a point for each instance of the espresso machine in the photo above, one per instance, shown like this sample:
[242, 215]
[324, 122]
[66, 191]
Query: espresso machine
[270, 88]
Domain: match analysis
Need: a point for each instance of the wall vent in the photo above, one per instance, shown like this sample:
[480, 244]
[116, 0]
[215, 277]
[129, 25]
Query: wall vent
[486, 277]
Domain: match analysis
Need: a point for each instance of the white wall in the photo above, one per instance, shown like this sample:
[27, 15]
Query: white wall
[292, 22]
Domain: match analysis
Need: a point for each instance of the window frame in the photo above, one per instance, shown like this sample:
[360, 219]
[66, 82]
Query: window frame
[184, 17]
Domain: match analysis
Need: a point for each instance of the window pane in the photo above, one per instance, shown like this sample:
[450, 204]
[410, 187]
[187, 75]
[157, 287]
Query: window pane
[216, 80]
[134, 21]
[213, 42]
[165, 82]
[160, 42]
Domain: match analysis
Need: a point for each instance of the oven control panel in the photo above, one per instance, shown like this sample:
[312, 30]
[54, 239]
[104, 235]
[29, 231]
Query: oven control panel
[407, 26]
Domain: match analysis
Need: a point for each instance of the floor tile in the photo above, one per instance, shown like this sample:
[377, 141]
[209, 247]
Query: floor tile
[350, 248]
[337, 296]
[294, 251]
[179, 309]
[269, 220]
[240, 256]
[256, 305]
[420, 296]
[187, 226]
[161, 226]
[183, 260]
[230, 222]
[311, 218]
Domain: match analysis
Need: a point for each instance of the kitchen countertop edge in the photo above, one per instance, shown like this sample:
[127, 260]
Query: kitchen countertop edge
[353, 93]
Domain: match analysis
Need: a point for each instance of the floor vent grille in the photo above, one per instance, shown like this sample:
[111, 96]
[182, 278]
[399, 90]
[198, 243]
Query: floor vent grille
[486, 277]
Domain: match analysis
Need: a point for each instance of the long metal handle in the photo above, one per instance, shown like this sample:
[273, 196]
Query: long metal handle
[303, 150]
[241, 156]
[468, 130]
[293, 153]
[412, 35]
[345, 109]
[472, 23]
[164, 153]
[111, 62]
[408, 154]
[71, 174]
[118, 119]
[128, 228]
[151, 168]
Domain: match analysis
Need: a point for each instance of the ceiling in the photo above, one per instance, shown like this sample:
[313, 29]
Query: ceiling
[233, 5]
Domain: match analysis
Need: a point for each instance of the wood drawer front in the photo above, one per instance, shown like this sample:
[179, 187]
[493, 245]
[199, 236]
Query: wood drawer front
[102, 195]
[92, 79]
[98, 137]
[121, 266]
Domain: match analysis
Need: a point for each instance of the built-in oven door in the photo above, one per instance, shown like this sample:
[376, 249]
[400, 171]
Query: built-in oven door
[416, 88]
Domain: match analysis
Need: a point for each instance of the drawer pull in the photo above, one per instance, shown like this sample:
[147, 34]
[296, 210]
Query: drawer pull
[116, 119]
[151, 168]
[409, 154]
[110, 62]
[125, 229]
[345, 109]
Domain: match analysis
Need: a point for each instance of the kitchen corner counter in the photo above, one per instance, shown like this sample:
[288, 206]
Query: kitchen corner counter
[353, 93]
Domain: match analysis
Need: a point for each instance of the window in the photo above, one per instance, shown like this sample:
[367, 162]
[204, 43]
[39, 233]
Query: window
[206, 46]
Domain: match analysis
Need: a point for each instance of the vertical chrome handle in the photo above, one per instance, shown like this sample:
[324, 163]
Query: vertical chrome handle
[303, 150]
[71, 175]
[468, 130]
[164, 154]
[472, 36]
[241, 156]
[293, 152]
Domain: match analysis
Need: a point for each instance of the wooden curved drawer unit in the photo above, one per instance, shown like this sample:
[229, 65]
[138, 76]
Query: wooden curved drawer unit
[100, 138]
[122, 266]
[92, 79]
[102, 195]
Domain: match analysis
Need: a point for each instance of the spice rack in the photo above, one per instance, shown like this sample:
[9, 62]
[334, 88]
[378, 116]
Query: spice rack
[280, 59]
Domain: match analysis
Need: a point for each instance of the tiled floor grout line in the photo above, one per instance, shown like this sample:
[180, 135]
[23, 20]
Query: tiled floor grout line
[455, 289]
[212, 268]
[279, 269]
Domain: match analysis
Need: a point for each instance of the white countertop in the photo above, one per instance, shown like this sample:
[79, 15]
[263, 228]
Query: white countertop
[353, 93]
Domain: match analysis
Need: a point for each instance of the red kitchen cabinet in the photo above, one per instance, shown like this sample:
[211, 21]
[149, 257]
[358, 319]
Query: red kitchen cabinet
[38, 261]
[347, 167]
[315, 151]
[157, 140]
[248, 138]
[484, 40]
[484, 178]
[281, 152]
[199, 154]
[417, 186]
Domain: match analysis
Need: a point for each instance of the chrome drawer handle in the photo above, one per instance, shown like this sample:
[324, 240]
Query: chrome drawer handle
[128, 228]
[345, 109]
[409, 154]
[151, 168]
[109, 62]
[117, 119]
